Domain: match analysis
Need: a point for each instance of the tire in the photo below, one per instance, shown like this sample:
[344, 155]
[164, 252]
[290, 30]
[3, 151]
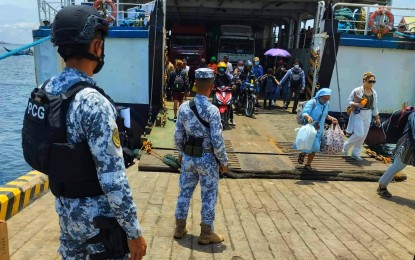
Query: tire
[249, 106]
[223, 119]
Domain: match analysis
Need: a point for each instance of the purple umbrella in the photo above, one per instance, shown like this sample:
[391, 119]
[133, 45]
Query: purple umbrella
[277, 52]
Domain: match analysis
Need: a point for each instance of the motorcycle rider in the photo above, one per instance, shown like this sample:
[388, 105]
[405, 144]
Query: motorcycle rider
[239, 68]
[244, 77]
[224, 79]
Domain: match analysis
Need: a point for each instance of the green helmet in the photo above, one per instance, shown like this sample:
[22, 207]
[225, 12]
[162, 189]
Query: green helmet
[213, 58]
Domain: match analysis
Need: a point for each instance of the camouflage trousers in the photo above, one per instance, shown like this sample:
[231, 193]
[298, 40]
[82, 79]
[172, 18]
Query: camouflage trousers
[205, 170]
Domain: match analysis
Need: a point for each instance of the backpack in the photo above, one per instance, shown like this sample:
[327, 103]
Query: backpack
[295, 78]
[395, 125]
[179, 82]
[299, 117]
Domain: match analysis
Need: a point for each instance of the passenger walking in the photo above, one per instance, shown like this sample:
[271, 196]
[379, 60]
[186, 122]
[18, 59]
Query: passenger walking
[86, 173]
[282, 91]
[316, 111]
[179, 84]
[270, 84]
[404, 155]
[199, 141]
[363, 101]
[202, 63]
[296, 84]
[229, 68]
[186, 68]
[168, 69]
[258, 71]
[212, 64]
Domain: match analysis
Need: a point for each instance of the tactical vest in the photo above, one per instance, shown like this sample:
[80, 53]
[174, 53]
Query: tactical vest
[70, 167]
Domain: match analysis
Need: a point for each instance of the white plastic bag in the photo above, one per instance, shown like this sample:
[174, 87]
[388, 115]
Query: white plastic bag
[305, 137]
[332, 140]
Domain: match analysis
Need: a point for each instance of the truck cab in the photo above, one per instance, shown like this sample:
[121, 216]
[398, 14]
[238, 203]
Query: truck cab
[188, 41]
[236, 41]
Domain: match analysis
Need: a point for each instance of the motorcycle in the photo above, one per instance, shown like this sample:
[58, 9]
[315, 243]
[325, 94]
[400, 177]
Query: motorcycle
[222, 98]
[247, 98]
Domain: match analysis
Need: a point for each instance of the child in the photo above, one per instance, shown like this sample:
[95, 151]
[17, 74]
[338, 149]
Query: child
[269, 83]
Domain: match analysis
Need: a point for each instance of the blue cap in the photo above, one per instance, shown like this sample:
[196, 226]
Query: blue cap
[204, 73]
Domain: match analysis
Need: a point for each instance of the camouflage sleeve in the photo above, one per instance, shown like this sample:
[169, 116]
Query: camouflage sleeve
[98, 122]
[216, 136]
[179, 133]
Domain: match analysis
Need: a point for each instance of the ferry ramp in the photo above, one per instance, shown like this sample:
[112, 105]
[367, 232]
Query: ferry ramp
[261, 147]
[261, 218]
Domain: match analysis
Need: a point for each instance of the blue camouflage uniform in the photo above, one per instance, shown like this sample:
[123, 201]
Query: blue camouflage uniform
[205, 168]
[92, 117]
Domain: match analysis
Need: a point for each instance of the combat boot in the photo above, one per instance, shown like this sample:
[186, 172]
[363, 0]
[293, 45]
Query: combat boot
[181, 230]
[207, 236]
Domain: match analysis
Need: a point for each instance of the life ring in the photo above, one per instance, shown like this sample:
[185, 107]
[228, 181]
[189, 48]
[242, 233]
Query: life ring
[380, 28]
[110, 18]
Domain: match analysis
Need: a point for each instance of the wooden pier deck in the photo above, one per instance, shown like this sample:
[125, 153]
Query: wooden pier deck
[260, 218]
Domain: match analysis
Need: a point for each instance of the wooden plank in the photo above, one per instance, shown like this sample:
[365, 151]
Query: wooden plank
[254, 234]
[393, 221]
[373, 234]
[323, 199]
[291, 236]
[335, 246]
[307, 233]
[397, 206]
[237, 238]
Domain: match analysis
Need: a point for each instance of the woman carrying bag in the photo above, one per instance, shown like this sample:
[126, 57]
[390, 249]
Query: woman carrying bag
[363, 101]
[316, 112]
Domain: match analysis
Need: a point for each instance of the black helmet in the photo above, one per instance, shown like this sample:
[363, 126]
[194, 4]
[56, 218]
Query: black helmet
[77, 24]
[248, 63]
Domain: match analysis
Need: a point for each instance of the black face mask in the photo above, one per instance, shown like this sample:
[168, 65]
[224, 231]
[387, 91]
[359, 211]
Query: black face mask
[100, 61]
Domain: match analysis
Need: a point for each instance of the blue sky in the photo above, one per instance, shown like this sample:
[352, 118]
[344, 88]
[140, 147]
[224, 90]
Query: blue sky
[22, 16]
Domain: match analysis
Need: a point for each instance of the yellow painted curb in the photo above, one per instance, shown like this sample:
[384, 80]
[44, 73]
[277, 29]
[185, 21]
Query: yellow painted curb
[19, 193]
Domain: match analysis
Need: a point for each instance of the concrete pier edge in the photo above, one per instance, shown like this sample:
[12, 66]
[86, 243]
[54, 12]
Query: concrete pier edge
[19, 193]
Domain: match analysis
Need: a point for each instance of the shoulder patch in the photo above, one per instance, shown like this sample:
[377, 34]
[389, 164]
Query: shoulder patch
[116, 138]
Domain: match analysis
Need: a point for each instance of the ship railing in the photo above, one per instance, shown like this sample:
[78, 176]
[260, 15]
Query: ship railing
[354, 18]
[133, 15]
[128, 14]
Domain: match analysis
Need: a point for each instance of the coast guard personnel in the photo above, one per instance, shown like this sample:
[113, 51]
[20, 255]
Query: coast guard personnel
[79, 32]
[198, 138]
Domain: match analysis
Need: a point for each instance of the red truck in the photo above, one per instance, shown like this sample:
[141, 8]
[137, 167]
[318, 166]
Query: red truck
[188, 41]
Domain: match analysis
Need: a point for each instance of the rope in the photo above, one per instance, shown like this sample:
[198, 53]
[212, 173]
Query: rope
[405, 35]
[148, 149]
[27, 46]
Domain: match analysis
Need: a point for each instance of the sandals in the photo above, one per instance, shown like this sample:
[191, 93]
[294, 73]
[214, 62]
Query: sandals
[307, 167]
[300, 158]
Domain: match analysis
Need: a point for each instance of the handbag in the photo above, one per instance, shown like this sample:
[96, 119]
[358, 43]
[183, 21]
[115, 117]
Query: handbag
[349, 110]
[305, 137]
[332, 141]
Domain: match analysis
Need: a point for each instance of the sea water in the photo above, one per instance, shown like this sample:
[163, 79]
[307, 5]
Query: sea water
[17, 80]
